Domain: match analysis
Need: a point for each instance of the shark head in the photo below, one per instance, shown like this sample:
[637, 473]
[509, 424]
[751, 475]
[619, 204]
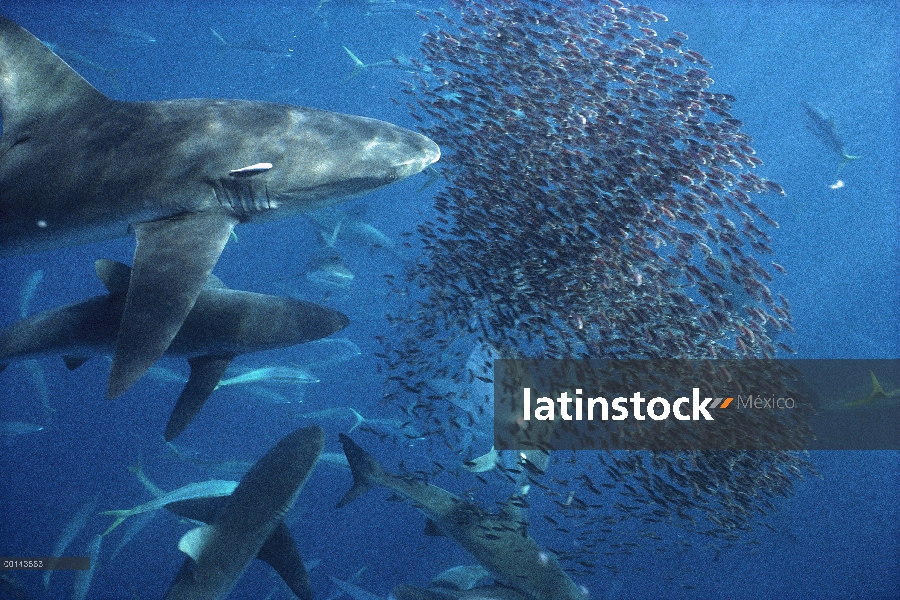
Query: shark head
[300, 159]
[79, 167]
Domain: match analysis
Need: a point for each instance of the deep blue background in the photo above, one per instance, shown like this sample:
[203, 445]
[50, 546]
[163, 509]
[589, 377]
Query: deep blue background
[838, 537]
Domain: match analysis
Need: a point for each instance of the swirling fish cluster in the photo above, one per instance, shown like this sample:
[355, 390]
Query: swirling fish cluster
[595, 186]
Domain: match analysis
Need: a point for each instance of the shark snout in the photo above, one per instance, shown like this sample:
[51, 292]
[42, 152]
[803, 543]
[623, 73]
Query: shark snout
[338, 321]
[421, 152]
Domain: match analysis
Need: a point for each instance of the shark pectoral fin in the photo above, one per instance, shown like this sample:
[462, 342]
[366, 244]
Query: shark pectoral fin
[172, 263]
[114, 275]
[193, 542]
[281, 553]
[432, 530]
[214, 283]
[206, 372]
[73, 362]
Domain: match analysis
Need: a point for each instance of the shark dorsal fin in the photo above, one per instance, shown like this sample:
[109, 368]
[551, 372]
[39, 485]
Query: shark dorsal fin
[114, 275]
[877, 390]
[192, 542]
[35, 84]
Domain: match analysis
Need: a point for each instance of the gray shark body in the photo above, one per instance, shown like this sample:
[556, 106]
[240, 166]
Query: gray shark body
[223, 324]
[248, 524]
[500, 542]
[487, 592]
[78, 167]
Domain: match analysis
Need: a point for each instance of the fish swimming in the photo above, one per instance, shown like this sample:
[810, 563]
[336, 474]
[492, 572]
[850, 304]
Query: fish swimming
[327, 269]
[248, 524]
[73, 528]
[14, 428]
[274, 375]
[499, 542]
[390, 425]
[83, 578]
[824, 128]
[348, 221]
[877, 393]
[202, 489]
[77, 167]
[223, 324]
[398, 62]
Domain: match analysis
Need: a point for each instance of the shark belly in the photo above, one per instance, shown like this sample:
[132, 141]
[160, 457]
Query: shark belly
[503, 547]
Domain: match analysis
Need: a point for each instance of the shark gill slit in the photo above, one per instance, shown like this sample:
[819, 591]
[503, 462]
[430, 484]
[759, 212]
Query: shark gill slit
[248, 202]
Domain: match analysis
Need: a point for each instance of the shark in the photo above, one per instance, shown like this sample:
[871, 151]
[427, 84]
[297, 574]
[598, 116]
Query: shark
[486, 592]
[499, 542]
[15, 428]
[248, 524]
[409, 592]
[222, 324]
[77, 166]
[824, 128]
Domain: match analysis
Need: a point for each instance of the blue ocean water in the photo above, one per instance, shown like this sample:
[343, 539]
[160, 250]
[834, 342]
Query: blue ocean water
[836, 537]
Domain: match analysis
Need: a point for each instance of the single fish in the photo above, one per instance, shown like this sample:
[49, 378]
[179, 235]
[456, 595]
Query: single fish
[14, 428]
[83, 578]
[73, 528]
[203, 489]
[824, 128]
[272, 375]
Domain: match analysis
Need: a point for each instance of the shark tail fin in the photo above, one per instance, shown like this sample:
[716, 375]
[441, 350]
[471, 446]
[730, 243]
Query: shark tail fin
[359, 65]
[329, 239]
[359, 419]
[366, 470]
[846, 159]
